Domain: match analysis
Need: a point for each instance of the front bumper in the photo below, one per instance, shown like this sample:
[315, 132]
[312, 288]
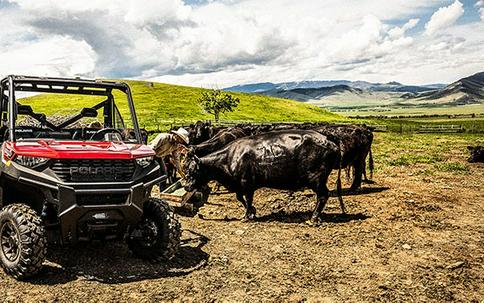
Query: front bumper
[91, 210]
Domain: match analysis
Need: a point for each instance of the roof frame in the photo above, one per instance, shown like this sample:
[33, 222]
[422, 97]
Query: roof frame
[64, 86]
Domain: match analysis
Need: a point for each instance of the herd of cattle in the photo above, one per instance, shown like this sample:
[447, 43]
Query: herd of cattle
[244, 158]
[286, 156]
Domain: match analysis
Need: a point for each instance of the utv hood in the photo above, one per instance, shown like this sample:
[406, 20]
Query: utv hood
[79, 149]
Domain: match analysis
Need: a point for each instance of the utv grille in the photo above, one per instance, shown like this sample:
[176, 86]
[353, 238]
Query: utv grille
[93, 170]
[108, 199]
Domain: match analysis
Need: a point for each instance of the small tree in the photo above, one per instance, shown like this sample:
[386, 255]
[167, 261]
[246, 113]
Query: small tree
[215, 102]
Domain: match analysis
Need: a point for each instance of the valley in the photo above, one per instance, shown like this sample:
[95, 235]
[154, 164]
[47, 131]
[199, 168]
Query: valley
[365, 99]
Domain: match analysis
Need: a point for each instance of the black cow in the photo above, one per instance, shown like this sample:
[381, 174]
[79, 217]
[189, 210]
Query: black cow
[199, 132]
[355, 143]
[289, 160]
[477, 154]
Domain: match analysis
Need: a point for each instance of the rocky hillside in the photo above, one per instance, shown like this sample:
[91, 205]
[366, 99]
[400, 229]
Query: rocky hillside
[468, 90]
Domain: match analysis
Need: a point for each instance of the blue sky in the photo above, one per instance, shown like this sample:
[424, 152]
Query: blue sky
[222, 43]
[195, 2]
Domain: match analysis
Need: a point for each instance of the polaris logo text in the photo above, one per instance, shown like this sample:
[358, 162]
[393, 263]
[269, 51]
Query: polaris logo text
[85, 170]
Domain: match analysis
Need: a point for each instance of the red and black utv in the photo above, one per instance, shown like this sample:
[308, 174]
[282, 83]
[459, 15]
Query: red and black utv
[82, 174]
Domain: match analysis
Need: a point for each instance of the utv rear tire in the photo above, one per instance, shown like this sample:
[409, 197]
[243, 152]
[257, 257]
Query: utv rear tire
[22, 241]
[161, 232]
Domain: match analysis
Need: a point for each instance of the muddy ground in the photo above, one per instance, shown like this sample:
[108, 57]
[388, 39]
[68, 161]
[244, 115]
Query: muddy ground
[415, 235]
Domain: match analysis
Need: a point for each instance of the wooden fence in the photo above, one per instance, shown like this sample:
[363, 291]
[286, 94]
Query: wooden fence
[402, 128]
[445, 128]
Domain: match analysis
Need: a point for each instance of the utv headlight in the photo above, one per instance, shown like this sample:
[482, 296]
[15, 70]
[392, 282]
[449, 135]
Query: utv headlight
[30, 161]
[144, 162]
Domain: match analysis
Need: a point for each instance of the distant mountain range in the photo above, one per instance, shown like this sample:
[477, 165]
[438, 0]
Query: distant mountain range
[307, 94]
[468, 90]
[348, 94]
[286, 86]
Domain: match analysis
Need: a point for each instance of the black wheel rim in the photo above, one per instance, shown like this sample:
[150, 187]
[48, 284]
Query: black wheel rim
[149, 231]
[10, 241]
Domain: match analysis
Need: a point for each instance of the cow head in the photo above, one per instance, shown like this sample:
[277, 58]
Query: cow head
[193, 175]
[477, 154]
[198, 132]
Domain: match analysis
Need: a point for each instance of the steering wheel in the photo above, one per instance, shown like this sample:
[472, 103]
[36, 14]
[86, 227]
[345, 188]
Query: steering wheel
[100, 133]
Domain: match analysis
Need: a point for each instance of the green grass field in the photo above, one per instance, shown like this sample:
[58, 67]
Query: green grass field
[471, 125]
[413, 111]
[430, 153]
[160, 105]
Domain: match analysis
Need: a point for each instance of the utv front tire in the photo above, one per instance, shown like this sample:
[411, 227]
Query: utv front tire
[22, 241]
[157, 236]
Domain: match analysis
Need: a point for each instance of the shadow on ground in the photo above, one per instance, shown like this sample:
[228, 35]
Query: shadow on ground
[361, 191]
[113, 263]
[300, 217]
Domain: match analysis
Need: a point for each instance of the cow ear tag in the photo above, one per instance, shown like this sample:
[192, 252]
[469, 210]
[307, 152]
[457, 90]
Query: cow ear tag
[8, 163]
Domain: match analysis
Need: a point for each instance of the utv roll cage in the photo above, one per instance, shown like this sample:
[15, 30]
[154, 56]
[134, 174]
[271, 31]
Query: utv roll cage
[10, 108]
[64, 183]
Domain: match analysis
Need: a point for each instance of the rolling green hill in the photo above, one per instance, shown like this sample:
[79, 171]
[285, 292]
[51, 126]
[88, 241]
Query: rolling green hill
[159, 105]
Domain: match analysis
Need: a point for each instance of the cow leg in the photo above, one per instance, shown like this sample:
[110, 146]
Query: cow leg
[359, 166]
[321, 202]
[240, 197]
[348, 173]
[250, 213]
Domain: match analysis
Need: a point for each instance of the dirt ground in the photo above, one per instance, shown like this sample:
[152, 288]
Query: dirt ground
[417, 234]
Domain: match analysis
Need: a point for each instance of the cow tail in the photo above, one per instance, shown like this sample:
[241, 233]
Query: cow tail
[338, 186]
[371, 165]
[338, 181]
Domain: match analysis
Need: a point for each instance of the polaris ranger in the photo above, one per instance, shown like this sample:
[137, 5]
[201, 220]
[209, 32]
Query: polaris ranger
[82, 175]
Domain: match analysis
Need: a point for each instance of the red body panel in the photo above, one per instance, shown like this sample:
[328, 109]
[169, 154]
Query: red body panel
[79, 149]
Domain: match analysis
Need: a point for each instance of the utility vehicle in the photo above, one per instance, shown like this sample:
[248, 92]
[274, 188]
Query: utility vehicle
[77, 172]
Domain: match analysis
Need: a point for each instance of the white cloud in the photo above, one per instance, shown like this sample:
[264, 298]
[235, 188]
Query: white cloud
[480, 7]
[232, 41]
[41, 58]
[398, 32]
[157, 12]
[444, 17]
